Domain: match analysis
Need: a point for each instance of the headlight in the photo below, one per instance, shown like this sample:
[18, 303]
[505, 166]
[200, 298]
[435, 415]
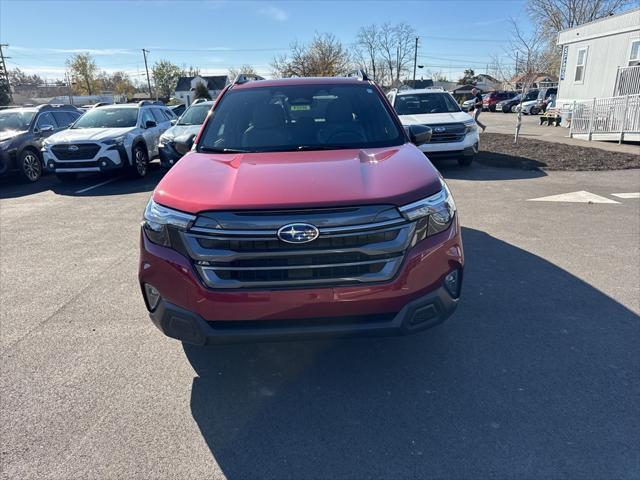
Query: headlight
[114, 141]
[157, 221]
[164, 139]
[470, 126]
[433, 214]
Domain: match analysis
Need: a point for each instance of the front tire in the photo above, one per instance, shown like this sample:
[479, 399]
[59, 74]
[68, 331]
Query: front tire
[140, 158]
[30, 166]
[535, 110]
[514, 109]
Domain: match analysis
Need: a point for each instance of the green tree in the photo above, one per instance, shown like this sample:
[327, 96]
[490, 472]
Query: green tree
[165, 77]
[83, 71]
[201, 91]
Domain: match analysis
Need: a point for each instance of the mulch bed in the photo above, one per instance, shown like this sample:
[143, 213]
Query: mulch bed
[498, 150]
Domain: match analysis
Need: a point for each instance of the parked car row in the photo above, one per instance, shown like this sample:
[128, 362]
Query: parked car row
[22, 133]
[66, 140]
[111, 137]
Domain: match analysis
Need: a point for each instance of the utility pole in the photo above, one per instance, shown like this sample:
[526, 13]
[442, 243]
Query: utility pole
[144, 54]
[415, 62]
[4, 72]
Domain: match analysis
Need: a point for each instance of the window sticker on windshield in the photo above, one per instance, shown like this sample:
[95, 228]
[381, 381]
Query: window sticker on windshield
[298, 108]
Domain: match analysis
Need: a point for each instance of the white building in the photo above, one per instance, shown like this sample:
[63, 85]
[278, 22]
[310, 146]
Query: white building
[186, 86]
[600, 59]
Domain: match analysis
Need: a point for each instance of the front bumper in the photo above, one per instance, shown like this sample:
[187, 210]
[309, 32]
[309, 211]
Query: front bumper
[423, 313]
[108, 158]
[7, 160]
[467, 147]
[413, 300]
[168, 155]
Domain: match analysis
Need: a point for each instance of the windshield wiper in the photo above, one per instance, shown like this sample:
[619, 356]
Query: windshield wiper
[302, 148]
[222, 150]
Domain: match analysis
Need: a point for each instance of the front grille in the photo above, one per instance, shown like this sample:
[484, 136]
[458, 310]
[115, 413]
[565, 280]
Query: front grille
[341, 255]
[452, 132]
[85, 151]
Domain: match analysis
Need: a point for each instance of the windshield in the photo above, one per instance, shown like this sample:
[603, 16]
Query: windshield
[416, 104]
[108, 118]
[300, 117]
[15, 119]
[195, 115]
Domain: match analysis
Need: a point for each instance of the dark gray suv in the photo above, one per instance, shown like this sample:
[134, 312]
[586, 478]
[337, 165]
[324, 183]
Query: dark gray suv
[22, 131]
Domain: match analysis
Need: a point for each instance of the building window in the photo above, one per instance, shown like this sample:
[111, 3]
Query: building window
[581, 64]
[634, 57]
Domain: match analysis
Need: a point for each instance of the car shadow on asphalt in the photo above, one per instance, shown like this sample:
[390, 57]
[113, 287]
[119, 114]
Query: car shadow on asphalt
[490, 171]
[121, 184]
[534, 376]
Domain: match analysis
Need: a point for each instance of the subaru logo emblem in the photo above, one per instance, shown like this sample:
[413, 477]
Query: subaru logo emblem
[440, 129]
[73, 148]
[298, 233]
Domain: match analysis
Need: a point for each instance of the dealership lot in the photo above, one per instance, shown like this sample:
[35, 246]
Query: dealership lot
[536, 375]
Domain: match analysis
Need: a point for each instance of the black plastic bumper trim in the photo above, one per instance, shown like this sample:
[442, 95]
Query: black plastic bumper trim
[420, 314]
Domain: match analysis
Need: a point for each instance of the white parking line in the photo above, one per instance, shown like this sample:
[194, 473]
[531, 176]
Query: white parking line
[97, 185]
[627, 195]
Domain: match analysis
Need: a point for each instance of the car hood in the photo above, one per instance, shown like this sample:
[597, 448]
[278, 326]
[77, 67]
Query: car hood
[72, 135]
[434, 118]
[203, 181]
[7, 134]
[178, 130]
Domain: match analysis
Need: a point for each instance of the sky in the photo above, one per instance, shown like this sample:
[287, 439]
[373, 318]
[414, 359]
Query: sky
[215, 35]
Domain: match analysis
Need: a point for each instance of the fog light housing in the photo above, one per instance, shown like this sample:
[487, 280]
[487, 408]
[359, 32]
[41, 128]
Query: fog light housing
[452, 283]
[50, 164]
[104, 164]
[153, 296]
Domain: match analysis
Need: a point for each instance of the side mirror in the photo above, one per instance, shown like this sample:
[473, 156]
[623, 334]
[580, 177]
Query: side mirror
[174, 121]
[150, 124]
[418, 134]
[184, 143]
[46, 128]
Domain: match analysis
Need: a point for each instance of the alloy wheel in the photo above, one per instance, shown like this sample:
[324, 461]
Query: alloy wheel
[31, 167]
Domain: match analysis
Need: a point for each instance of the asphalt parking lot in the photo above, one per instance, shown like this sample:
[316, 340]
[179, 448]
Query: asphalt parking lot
[535, 376]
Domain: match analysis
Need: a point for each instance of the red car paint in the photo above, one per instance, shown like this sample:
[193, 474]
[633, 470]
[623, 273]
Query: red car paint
[397, 175]
[271, 181]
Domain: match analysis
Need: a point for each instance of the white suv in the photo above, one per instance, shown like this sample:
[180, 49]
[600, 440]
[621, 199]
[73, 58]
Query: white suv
[454, 132]
[108, 138]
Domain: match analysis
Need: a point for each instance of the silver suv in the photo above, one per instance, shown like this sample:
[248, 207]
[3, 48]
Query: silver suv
[108, 138]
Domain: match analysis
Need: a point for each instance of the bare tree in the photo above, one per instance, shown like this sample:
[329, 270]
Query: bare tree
[533, 58]
[325, 56]
[245, 69]
[552, 16]
[367, 48]
[405, 36]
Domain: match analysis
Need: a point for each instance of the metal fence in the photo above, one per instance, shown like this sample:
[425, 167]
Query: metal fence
[606, 116]
[627, 81]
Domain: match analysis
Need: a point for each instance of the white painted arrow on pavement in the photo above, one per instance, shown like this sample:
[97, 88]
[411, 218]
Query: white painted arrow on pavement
[627, 195]
[574, 197]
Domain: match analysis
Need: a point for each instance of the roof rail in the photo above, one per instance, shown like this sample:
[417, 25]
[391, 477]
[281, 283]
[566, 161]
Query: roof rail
[360, 73]
[144, 103]
[246, 77]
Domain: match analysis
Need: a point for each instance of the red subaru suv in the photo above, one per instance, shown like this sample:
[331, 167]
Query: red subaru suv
[303, 208]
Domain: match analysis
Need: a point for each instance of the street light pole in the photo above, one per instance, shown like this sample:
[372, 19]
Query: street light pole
[415, 62]
[144, 54]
